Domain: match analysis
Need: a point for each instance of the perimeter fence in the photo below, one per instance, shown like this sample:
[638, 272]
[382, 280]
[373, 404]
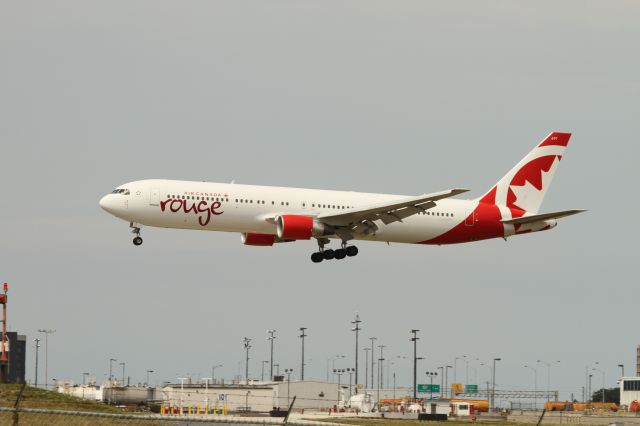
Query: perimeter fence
[38, 417]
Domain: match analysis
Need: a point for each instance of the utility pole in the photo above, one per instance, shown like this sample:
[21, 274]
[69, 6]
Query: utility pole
[149, 372]
[366, 367]
[357, 329]
[46, 354]
[123, 364]
[381, 367]
[622, 367]
[302, 336]
[373, 339]
[37, 341]
[271, 337]
[414, 339]
[247, 345]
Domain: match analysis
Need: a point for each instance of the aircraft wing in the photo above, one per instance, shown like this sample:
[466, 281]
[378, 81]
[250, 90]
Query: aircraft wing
[361, 220]
[541, 217]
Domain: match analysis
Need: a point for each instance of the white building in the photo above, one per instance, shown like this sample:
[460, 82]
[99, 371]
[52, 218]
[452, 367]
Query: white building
[629, 390]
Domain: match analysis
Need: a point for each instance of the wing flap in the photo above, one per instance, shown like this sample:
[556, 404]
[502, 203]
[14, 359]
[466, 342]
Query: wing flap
[541, 217]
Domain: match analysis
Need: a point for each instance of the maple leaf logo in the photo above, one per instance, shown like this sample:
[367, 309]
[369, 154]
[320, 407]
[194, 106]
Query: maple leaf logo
[528, 196]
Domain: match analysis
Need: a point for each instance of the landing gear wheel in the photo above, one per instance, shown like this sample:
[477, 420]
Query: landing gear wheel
[328, 254]
[317, 257]
[340, 253]
[352, 251]
[137, 241]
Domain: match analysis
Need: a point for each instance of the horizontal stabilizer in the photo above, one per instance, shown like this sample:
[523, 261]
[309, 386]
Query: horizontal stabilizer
[541, 217]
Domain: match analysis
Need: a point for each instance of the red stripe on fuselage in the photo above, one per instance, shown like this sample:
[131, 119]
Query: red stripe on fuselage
[486, 224]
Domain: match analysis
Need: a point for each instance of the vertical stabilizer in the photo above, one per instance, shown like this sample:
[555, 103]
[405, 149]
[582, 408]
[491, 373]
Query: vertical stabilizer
[524, 187]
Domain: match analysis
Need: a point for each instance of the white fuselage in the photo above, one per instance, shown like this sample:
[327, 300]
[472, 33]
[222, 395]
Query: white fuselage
[248, 208]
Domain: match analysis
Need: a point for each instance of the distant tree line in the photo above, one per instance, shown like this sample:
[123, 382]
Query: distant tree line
[610, 395]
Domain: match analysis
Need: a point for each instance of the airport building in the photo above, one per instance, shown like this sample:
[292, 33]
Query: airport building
[629, 390]
[257, 397]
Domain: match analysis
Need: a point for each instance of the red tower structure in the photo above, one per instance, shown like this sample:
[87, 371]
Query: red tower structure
[3, 358]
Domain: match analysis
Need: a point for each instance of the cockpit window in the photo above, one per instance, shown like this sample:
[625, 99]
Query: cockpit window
[121, 191]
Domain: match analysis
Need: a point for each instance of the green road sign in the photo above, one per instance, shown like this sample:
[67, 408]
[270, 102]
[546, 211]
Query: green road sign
[428, 388]
[471, 389]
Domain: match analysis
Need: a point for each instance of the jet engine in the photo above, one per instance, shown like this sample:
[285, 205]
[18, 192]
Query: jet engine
[297, 227]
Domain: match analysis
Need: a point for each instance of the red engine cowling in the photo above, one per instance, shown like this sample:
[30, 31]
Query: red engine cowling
[294, 227]
[252, 239]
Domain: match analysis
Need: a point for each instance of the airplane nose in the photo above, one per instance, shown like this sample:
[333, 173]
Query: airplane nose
[107, 203]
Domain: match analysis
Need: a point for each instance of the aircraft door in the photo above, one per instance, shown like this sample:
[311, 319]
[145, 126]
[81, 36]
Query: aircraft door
[470, 218]
[154, 197]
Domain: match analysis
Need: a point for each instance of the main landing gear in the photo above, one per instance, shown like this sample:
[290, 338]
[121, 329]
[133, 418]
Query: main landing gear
[135, 230]
[341, 253]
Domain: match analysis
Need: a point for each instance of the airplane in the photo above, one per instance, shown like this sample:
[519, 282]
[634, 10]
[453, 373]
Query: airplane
[266, 215]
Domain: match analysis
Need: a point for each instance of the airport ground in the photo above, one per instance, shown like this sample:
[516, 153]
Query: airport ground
[87, 413]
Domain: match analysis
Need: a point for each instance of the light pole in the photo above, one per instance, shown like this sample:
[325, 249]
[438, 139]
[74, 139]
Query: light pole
[111, 361]
[603, 381]
[277, 366]
[37, 345]
[381, 367]
[535, 386]
[589, 388]
[302, 336]
[271, 337]
[622, 367]
[46, 354]
[586, 378]
[83, 376]
[441, 380]
[148, 382]
[288, 371]
[339, 373]
[455, 367]
[414, 339]
[373, 339]
[548, 364]
[213, 373]
[357, 329]
[247, 345]
[380, 360]
[493, 389]
[350, 371]
[122, 364]
[431, 375]
[333, 364]
[262, 372]
[446, 381]
[366, 367]
[182, 379]
[206, 392]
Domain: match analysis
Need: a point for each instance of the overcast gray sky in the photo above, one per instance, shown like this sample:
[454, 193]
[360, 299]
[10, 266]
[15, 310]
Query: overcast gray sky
[402, 97]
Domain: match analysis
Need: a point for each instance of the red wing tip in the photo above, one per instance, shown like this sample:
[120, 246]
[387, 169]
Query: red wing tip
[556, 138]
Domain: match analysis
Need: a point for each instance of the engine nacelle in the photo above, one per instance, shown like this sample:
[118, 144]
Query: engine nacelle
[253, 239]
[297, 227]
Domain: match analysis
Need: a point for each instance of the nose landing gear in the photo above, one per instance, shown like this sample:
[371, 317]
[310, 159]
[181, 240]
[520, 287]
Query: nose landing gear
[135, 230]
[341, 253]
